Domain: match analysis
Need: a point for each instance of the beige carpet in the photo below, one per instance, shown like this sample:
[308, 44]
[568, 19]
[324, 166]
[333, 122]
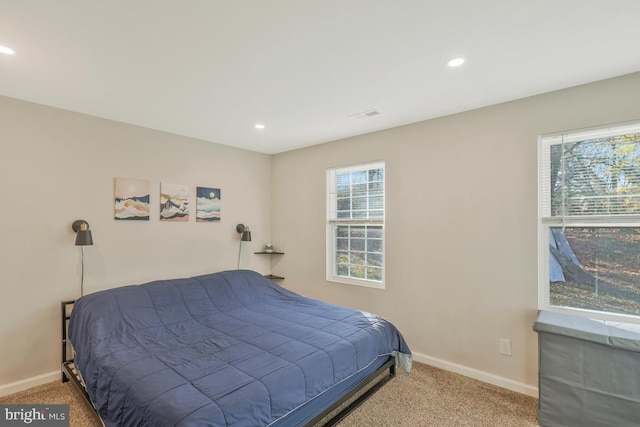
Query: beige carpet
[426, 397]
[433, 397]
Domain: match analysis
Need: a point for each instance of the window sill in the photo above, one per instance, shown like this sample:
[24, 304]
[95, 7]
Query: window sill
[356, 282]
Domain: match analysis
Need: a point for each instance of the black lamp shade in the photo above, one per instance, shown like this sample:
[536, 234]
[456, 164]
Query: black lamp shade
[83, 238]
[83, 234]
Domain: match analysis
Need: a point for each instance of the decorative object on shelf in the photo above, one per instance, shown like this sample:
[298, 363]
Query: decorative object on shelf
[174, 202]
[246, 237]
[208, 204]
[83, 238]
[268, 248]
[131, 199]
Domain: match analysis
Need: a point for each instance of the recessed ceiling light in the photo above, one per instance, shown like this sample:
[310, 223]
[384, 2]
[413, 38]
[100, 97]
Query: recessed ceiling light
[455, 62]
[7, 50]
[258, 126]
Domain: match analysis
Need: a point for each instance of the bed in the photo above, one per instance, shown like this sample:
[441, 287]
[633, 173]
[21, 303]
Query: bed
[224, 349]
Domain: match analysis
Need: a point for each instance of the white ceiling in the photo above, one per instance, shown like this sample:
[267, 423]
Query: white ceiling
[211, 69]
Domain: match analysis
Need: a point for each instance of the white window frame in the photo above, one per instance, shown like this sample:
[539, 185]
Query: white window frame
[546, 222]
[333, 222]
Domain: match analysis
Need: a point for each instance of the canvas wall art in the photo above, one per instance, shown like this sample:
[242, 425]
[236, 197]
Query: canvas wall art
[207, 204]
[131, 199]
[174, 202]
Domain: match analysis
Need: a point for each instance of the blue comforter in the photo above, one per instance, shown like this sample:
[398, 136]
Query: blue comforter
[224, 349]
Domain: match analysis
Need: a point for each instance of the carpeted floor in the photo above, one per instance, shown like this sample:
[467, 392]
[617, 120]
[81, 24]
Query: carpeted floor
[433, 397]
[426, 397]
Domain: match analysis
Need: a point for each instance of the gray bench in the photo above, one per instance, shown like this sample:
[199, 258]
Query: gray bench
[589, 371]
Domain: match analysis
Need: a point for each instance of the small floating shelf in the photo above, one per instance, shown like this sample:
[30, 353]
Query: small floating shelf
[271, 276]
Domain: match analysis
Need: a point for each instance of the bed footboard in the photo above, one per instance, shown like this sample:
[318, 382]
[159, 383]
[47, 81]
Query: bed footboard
[69, 372]
[390, 364]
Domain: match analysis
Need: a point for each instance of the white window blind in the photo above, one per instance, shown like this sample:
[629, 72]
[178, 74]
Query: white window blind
[591, 174]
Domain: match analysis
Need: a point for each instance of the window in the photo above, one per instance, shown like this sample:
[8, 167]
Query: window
[589, 222]
[355, 225]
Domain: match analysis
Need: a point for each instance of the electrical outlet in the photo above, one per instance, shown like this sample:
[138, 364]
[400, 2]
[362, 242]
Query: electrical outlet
[505, 347]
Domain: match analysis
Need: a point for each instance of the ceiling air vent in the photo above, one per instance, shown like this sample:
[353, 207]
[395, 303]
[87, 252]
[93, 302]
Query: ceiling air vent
[365, 114]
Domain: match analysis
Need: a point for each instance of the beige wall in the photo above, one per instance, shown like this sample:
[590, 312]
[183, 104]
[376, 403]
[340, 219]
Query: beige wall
[461, 221]
[57, 166]
[461, 225]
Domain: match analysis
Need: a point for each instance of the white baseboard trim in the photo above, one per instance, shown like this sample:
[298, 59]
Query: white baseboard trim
[25, 384]
[477, 375]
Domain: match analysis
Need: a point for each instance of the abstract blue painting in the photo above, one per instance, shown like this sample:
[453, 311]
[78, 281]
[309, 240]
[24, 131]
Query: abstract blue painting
[207, 204]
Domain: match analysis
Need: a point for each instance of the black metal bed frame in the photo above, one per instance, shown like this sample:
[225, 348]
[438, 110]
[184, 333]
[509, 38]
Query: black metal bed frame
[390, 364]
[69, 373]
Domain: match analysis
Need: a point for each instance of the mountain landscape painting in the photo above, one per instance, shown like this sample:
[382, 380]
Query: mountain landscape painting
[131, 197]
[174, 202]
[207, 204]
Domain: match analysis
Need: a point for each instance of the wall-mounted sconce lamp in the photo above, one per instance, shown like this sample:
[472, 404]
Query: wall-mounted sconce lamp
[83, 238]
[246, 237]
[244, 230]
[83, 234]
